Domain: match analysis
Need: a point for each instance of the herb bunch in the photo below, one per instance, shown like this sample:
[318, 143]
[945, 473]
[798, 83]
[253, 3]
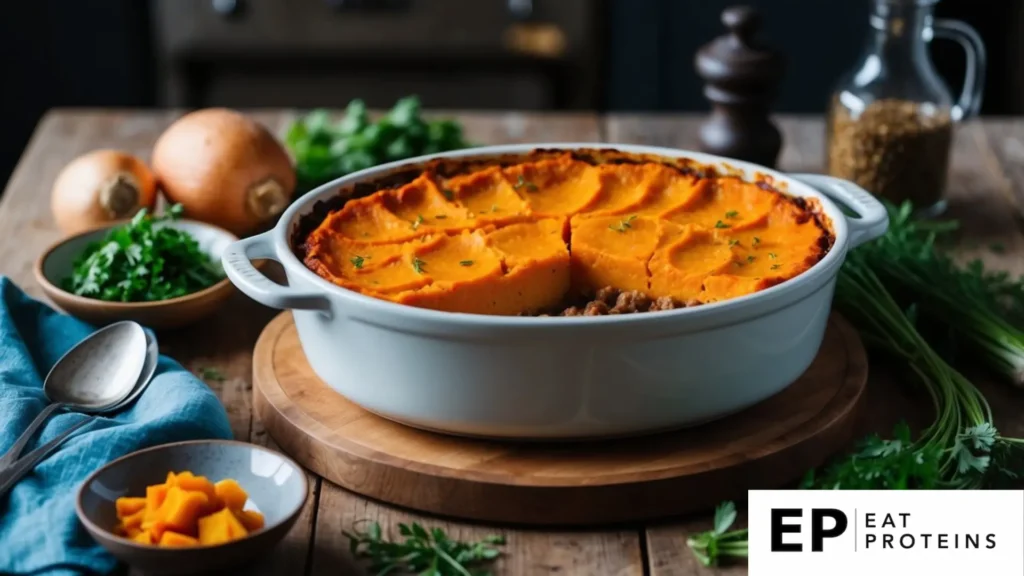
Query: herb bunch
[421, 551]
[709, 547]
[143, 261]
[980, 310]
[324, 151]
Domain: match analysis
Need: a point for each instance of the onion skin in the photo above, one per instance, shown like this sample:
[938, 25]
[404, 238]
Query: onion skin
[224, 169]
[99, 187]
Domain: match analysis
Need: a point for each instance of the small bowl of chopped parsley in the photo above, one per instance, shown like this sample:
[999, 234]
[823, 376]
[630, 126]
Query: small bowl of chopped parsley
[161, 271]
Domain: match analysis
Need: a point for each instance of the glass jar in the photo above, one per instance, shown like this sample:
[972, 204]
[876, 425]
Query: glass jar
[890, 120]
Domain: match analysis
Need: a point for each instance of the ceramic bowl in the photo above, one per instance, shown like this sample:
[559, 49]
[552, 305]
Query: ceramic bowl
[57, 263]
[276, 486]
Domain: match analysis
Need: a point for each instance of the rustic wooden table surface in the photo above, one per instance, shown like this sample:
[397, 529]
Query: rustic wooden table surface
[986, 194]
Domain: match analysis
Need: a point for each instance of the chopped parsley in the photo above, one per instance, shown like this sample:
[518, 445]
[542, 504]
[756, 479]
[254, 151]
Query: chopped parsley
[732, 214]
[721, 224]
[465, 263]
[750, 258]
[418, 265]
[418, 221]
[622, 225]
[734, 242]
[771, 255]
[357, 260]
[448, 193]
[525, 184]
[756, 240]
[142, 261]
[776, 266]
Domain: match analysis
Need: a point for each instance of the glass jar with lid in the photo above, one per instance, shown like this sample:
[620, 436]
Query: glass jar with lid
[890, 120]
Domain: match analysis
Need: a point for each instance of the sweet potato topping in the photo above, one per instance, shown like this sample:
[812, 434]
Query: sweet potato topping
[533, 236]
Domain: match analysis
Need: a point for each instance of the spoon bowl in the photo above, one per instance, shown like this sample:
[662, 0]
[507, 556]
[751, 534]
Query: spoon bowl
[100, 371]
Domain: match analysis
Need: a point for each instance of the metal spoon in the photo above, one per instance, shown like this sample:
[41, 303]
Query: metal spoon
[11, 475]
[93, 377]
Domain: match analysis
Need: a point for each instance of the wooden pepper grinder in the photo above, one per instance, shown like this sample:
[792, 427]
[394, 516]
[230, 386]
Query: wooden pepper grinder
[741, 76]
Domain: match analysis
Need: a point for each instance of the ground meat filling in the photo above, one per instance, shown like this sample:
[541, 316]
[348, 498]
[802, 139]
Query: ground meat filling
[610, 300]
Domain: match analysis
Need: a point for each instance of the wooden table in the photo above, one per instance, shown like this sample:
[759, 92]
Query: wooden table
[986, 193]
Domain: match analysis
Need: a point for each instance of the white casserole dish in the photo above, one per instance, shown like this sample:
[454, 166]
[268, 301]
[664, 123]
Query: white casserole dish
[559, 377]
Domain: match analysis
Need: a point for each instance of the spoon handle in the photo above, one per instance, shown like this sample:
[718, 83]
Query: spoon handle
[15, 450]
[10, 476]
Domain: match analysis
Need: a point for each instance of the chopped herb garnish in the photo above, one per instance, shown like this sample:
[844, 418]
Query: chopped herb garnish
[732, 214]
[440, 216]
[734, 242]
[776, 266]
[465, 263]
[417, 265]
[750, 258]
[623, 224]
[771, 255]
[448, 193]
[721, 224]
[212, 374]
[756, 240]
[524, 183]
[143, 261]
[418, 221]
[494, 208]
[357, 260]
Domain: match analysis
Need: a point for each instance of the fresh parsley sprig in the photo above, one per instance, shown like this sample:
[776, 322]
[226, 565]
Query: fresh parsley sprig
[709, 547]
[421, 551]
[143, 261]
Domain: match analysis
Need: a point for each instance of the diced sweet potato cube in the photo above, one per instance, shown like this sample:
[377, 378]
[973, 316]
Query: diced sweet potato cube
[143, 537]
[233, 496]
[155, 496]
[200, 484]
[155, 527]
[181, 508]
[133, 520]
[221, 527]
[127, 506]
[251, 519]
[177, 540]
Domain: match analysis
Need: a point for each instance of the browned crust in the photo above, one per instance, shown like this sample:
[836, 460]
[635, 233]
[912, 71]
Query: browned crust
[450, 167]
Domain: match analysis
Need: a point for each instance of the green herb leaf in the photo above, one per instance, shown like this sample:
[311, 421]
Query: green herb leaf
[465, 263]
[212, 374]
[418, 265]
[776, 266]
[416, 223]
[721, 224]
[357, 260]
[750, 258]
[523, 183]
[733, 242]
[448, 194]
[622, 225]
[771, 255]
[756, 240]
[732, 214]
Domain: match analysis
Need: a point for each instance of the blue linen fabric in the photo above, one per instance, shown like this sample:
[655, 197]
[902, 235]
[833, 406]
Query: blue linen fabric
[39, 530]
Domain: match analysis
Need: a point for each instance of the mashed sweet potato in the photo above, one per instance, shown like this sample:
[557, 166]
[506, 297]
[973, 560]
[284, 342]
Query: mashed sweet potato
[530, 236]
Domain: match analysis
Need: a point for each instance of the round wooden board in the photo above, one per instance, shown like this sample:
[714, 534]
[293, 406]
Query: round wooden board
[607, 481]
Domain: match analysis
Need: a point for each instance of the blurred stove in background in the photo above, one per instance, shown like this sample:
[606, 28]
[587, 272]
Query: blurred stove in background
[532, 54]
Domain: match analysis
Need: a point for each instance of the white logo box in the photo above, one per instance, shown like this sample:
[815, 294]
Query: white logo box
[926, 532]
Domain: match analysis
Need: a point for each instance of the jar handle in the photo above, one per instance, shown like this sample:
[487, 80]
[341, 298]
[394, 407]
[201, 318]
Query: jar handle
[974, 75]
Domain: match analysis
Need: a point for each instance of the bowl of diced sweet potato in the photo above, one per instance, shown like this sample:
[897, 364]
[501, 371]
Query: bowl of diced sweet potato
[192, 507]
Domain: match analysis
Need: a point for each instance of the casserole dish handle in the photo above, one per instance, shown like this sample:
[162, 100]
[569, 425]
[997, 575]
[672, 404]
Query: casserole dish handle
[238, 267]
[872, 219]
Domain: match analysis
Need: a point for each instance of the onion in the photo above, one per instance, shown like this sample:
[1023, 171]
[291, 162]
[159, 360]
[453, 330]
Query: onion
[224, 169]
[99, 187]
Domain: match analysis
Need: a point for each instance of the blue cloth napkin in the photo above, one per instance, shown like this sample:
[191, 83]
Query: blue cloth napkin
[39, 531]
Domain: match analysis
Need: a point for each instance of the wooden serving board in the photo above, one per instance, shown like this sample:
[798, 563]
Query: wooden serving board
[767, 446]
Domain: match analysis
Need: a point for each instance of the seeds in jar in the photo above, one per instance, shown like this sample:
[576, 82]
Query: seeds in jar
[894, 149]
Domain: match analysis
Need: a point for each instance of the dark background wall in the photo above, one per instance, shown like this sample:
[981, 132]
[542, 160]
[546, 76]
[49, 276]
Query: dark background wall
[102, 53]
